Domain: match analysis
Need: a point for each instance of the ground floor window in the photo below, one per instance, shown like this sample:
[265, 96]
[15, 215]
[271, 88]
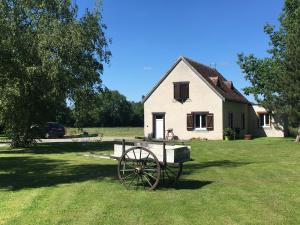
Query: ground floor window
[200, 121]
[264, 119]
[243, 120]
[230, 120]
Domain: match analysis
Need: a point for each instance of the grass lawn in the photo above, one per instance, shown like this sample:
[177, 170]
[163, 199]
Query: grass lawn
[235, 182]
[109, 131]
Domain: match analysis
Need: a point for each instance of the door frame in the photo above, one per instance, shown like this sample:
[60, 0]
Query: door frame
[154, 114]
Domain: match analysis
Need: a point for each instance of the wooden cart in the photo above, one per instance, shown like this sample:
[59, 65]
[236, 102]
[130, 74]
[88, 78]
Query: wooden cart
[143, 164]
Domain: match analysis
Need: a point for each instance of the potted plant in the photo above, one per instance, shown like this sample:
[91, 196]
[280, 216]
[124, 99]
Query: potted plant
[228, 134]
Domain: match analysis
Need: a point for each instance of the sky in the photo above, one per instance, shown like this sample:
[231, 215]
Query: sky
[149, 36]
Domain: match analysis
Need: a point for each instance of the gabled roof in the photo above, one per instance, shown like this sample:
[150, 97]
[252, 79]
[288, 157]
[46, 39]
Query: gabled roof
[211, 77]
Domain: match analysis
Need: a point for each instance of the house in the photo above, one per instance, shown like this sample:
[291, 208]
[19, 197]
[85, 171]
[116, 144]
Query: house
[196, 101]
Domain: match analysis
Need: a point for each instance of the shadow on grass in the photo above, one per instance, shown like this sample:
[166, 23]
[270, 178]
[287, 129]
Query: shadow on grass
[49, 148]
[182, 184]
[30, 172]
[190, 168]
[191, 184]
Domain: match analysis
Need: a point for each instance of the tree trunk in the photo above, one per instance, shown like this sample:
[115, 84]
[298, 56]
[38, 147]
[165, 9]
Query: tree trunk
[298, 136]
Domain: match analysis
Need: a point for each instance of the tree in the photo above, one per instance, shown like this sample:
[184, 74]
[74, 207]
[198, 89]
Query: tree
[112, 109]
[275, 80]
[137, 118]
[47, 55]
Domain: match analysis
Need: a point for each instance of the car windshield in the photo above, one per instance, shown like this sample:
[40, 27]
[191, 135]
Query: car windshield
[55, 125]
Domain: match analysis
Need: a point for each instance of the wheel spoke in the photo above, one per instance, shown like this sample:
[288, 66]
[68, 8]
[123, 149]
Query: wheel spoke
[124, 178]
[139, 169]
[147, 180]
[132, 180]
[134, 154]
[153, 170]
[127, 170]
[140, 153]
[150, 175]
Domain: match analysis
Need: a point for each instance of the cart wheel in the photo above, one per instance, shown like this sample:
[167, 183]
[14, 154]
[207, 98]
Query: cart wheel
[171, 173]
[138, 167]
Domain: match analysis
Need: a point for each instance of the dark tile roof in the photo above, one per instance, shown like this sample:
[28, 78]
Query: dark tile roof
[218, 82]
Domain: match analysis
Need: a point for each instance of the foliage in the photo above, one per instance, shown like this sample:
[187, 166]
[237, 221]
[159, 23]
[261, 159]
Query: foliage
[229, 132]
[275, 80]
[108, 131]
[240, 182]
[107, 109]
[47, 55]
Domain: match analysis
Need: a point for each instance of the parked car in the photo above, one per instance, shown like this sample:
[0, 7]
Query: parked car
[54, 130]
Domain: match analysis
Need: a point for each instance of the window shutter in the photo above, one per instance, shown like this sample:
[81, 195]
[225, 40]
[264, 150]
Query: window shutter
[189, 122]
[184, 91]
[210, 121]
[177, 91]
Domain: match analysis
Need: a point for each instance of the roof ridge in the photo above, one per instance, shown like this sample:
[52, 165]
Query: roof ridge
[208, 67]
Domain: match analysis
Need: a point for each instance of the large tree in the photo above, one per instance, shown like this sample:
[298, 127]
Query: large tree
[47, 55]
[275, 80]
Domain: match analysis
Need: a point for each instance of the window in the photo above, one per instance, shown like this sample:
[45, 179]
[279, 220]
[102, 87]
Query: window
[200, 121]
[264, 119]
[230, 120]
[243, 120]
[181, 91]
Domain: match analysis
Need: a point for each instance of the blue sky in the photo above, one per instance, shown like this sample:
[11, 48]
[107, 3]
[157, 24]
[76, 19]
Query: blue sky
[148, 37]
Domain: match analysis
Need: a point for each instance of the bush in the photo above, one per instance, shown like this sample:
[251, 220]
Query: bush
[292, 131]
[229, 132]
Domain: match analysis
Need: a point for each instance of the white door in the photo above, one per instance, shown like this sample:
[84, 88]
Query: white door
[159, 127]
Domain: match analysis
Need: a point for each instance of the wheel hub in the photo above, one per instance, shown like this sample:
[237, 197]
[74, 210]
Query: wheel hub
[138, 170]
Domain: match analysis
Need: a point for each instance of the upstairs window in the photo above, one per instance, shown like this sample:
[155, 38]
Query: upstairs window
[264, 120]
[181, 91]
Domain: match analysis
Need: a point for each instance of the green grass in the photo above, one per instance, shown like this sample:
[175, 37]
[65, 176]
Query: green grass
[109, 131]
[234, 182]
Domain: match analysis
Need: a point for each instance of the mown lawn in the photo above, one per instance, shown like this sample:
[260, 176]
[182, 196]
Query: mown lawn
[238, 182]
[109, 131]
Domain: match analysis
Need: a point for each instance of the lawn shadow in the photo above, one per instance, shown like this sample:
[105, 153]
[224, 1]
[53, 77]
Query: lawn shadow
[188, 184]
[190, 168]
[30, 172]
[191, 184]
[60, 148]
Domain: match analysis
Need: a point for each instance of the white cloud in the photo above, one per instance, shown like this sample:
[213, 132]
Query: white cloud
[147, 68]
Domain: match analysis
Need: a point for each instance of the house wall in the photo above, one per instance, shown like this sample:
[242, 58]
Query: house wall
[202, 98]
[237, 109]
[275, 130]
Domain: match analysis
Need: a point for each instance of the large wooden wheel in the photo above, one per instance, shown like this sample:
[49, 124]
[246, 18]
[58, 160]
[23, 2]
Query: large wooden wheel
[170, 173]
[139, 168]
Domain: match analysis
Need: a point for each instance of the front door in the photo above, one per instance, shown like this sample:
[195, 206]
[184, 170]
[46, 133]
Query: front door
[159, 126]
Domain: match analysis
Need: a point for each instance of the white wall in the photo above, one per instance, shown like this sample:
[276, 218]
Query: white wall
[275, 130]
[202, 98]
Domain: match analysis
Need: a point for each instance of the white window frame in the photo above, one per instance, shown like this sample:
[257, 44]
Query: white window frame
[265, 118]
[199, 114]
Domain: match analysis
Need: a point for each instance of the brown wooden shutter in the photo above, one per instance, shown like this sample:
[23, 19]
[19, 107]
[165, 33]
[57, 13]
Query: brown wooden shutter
[177, 91]
[184, 91]
[210, 121]
[190, 122]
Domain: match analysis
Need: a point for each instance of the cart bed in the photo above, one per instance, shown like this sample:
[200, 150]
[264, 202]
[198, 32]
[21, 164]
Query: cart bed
[174, 153]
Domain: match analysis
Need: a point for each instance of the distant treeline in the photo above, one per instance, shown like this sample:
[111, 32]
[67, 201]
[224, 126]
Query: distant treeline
[106, 109]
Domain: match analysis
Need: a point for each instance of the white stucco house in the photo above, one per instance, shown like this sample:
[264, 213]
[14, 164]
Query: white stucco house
[196, 101]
